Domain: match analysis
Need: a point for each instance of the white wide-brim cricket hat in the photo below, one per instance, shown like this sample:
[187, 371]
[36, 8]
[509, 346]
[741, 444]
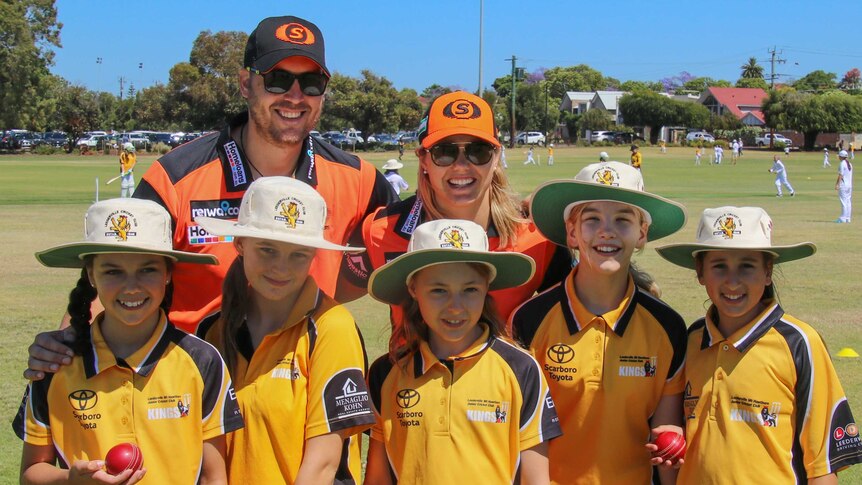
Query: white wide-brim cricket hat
[392, 164]
[734, 228]
[278, 209]
[553, 201]
[448, 241]
[125, 225]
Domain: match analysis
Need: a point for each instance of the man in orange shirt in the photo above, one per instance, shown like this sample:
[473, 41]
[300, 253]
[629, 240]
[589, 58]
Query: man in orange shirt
[283, 78]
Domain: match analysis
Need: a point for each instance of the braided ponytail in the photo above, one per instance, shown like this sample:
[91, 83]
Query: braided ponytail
[80, 299]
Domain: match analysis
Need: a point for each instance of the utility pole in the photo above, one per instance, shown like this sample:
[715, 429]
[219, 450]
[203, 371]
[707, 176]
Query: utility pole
[514, 79]
[772, 76]
[772, 61]
[122, 81]
[481, 8]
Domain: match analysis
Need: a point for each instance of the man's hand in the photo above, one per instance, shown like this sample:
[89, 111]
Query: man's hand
[48, 352]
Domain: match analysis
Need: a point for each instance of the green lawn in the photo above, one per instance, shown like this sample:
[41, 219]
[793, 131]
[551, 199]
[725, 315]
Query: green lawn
[43, 200]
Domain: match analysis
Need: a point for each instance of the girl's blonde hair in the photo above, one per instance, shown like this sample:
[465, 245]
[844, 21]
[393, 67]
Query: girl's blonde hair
[505, 204]
[412, 329]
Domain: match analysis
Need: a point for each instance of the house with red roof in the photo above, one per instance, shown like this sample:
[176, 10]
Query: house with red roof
[744, 103]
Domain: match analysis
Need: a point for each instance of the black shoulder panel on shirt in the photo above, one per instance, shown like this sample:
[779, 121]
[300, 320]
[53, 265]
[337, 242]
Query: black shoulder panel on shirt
[799, 349]
[189, 157]
[673, 324]
[529, 316]
[527, 373]
[38, 392]
[400, 207]
[206, 324]
[377, 374]
[335, 154]
[208, 361]
[697, 325]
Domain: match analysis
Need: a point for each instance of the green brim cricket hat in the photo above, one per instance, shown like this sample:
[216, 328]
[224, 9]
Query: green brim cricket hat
[734, 228]
[553, 201]
[131, 226]
[448, 241]
[278, 209]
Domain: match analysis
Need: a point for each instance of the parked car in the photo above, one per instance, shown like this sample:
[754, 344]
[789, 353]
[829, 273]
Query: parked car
[159, 138]
[699, 136]
[407, 137]
[339, 139]
[355, 136]
[92, 142]
[601, 135]
[625, 138]
[56, 139]
[530, 138]
[138, 140]
[763, 141]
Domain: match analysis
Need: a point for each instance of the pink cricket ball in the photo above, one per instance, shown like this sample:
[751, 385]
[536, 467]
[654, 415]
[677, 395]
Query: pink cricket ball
[123, 457]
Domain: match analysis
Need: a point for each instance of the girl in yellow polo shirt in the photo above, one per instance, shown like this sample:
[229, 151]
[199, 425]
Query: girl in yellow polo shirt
[612, 353]
[455, 401]
[135, 377]
[763, 403]
[296, 355]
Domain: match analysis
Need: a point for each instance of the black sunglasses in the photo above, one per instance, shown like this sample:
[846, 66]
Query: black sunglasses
[280, 82]
[476, 152]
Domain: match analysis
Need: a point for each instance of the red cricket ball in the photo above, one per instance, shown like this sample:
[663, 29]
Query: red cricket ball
[671, 446]
[123, 457]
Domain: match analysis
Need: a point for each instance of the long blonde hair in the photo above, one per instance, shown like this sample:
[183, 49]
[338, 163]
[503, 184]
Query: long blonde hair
[505, 204]
[412, 328]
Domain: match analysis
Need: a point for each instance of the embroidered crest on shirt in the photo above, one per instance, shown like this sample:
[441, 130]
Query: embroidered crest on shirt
[637, 366]
[488, 411]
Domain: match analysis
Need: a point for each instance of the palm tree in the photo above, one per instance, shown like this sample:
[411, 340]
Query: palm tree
[751, 69]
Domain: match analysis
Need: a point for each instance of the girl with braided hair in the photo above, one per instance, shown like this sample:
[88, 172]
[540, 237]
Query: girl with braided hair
[134, 377]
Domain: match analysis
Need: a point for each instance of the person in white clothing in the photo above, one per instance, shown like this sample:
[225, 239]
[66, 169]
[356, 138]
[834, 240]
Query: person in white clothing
[826, 158]
[530, 158]
[719, 152]
[734, 154]
[844, 185]
[503, 156]
[390, 169]
[780, 176]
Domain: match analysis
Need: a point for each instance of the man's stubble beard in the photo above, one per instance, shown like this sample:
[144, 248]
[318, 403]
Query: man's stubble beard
[276, 137]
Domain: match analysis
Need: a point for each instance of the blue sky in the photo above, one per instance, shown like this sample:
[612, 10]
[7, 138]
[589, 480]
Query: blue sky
[416, 44]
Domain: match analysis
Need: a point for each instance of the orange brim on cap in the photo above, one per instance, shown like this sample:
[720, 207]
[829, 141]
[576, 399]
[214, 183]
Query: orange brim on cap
[435, 137]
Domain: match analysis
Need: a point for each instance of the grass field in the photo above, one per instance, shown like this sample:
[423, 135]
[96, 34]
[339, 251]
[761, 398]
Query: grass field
[43, 199]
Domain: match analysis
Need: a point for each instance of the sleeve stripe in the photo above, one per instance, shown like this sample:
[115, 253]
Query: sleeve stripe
[800, 350]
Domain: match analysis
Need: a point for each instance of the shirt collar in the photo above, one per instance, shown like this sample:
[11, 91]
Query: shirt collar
[409, 219]
[237, 171]
[142, 361]
[743, 338]
[577, 316]
[424, 359]
[306, 305]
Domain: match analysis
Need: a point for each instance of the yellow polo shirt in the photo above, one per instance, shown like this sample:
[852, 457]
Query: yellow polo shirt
[462, 420]
[168, 397]
[304, 380]
[127, 161]
[636, 160]
[607, 374]
[764, 405]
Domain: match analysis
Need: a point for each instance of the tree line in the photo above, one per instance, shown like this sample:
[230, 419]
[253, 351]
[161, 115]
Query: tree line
[202, 93]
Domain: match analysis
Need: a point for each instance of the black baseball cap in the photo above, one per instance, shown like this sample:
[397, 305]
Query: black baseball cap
[277, 38]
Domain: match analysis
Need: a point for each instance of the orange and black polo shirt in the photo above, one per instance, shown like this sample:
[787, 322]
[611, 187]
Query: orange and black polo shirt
[208, 177]
[465, 419]
[386, 234]
[168, 397]
[306, 379]
[764, 405]
[607, 374]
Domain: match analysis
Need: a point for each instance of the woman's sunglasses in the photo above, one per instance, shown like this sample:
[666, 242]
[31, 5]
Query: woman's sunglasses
[280, 82]
[477, 153]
